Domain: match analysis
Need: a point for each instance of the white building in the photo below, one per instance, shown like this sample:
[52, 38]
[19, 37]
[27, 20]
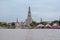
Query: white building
[27, 22]
[29, 18]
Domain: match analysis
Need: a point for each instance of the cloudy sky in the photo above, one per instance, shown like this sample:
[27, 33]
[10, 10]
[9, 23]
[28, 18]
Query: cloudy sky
[46, 9]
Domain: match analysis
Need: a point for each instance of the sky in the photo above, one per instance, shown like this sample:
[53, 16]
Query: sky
[48, 10]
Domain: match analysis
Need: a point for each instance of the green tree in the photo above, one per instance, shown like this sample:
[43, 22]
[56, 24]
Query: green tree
[4, 25]
[56, 21]
[13, 23]
[33, 24]
[44, 23]
[59, 22]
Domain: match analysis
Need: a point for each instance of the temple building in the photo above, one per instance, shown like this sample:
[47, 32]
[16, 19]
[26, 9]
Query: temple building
[17, 24]
[29, 18]
[27, 22]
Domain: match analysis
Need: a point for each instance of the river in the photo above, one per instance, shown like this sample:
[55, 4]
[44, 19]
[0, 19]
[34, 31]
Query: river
[29, 34]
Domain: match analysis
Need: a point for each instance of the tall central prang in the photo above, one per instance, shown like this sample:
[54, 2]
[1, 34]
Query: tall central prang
[29, 18]
[29, 12]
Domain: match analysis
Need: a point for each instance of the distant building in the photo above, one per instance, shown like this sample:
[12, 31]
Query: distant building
[55, 25]
[47, 25]
[41, 20]
[39, 26]
[27, 22]
[3, 22]
[17, 24]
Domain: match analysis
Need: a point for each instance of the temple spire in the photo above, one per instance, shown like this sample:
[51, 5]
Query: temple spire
[17, 20]
[41, 20]
[29, 18]
[29, 12]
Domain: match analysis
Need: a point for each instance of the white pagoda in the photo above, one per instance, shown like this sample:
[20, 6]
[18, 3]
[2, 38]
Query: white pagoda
[29, 18]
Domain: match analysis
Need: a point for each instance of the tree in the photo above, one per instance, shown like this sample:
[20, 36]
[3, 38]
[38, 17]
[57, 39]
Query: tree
[44, 23]
[13, 23]
[59, 22]
[33, 24]
[4, 25]
[56, 21]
